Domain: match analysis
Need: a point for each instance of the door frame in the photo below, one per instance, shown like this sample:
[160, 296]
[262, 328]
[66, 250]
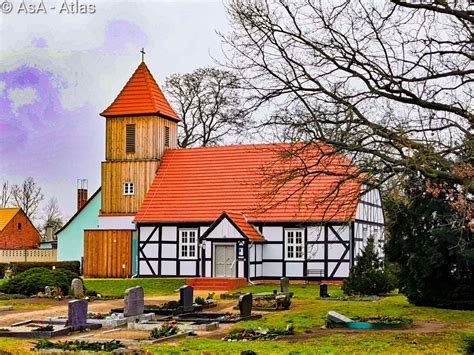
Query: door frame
[215, 257]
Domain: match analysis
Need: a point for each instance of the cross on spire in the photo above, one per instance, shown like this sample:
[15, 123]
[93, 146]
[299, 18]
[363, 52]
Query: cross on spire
[143, 54]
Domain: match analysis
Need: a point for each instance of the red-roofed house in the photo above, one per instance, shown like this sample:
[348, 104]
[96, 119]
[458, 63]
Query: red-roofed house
[214, 211]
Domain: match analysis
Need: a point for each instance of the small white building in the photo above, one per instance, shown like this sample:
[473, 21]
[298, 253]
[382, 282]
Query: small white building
[216, 212]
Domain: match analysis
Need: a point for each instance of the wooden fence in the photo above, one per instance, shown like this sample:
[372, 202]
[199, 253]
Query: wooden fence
[107, 253]
[27, 255]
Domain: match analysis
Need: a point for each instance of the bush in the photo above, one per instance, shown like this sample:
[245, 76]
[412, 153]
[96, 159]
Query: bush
[367, 276]
[199, 300]
[35, 280]
[19, 267]
[3, 268]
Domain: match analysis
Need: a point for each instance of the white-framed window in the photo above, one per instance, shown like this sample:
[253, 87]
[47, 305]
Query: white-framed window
[128, 188]
[294, 244]
[188, 243]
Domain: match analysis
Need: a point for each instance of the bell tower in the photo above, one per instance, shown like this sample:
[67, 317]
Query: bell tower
[140, 126]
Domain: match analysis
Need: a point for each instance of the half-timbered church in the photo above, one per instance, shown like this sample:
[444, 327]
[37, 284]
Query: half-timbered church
[220, 211]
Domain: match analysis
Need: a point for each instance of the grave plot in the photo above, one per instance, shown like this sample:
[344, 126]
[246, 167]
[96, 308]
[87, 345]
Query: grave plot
[336, 320]
[133, 311]
[245, 312]
[185, 304]
[76, 321]
[276, 301]
[324, 295]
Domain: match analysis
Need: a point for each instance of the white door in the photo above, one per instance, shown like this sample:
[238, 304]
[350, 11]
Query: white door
[224, 261]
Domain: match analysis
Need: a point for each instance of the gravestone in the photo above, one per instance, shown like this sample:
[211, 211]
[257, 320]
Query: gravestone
[335, 317]
[133, 303]
[77, 288]
[76, 313]
[186, 298]
[285, 285]
[245, 305]
[323, 291]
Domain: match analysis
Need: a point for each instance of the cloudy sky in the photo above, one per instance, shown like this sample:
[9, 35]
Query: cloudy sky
[59, 70]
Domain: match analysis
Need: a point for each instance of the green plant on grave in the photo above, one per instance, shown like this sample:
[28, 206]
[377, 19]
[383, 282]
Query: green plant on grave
[367, 276]
[199, 300]
[78, 345]
[165, 330]
[283, 303]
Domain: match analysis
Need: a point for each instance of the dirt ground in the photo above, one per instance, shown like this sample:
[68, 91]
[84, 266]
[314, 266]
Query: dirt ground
[59, 308]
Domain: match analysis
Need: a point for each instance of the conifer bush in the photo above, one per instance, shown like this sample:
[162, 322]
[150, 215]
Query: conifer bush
[367, 276]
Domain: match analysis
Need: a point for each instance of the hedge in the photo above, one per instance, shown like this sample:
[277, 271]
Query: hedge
[19, 267]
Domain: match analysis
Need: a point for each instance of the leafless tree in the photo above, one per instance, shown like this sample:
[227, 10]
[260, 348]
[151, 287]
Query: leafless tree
[52, 216]
[28, 197]
[390, 83]
[208, 102]
[5, 194]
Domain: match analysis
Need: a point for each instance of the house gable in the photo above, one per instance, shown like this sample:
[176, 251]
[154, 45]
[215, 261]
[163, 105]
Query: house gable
[232, 225]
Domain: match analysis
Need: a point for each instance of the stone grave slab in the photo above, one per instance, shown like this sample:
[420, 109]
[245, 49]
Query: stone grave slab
[134, 303]
[186, 298]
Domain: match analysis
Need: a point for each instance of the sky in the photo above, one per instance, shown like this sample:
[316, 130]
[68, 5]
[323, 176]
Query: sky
[59, 69]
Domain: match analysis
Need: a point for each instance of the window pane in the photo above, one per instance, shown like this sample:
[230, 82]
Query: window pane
[290, 252]
[299, 237]
[290, 237]
[184, 250]
[192, 250]
[299, 252]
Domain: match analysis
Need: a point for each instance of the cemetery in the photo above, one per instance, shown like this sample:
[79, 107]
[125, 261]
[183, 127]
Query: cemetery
[108, 324]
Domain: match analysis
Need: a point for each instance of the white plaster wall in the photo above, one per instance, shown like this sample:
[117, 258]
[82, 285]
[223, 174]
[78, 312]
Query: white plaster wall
[294, 269]
[259, 270]
[224, 229]
[116, 222]
[272, 269]
[343, 232]
[150, 250]
[315, 233]
[168, 268]
[273, 233]
[203, 230]
[342, 271]
[315, 265]
[187, 268]
[145, 269]
[145, 233]
[272, 251]
[168, 250]
[208, 268]
[315, 251]
[241, 268]
[335, 251]
[169, 233]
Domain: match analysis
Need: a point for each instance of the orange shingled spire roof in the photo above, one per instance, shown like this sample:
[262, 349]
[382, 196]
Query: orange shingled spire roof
[141, 95]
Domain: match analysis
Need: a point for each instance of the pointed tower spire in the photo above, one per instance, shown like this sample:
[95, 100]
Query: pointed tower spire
[141, 96]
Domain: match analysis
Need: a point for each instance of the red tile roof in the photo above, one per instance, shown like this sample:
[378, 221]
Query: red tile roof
[197, 184]
[240, 221]
[141, 95]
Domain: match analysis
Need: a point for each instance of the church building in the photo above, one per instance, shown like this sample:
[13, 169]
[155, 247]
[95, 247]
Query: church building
[217, 211]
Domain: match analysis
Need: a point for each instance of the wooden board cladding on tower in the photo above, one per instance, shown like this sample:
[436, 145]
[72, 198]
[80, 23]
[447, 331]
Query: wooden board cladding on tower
[106, 252]
[115, 173]
[149, 137]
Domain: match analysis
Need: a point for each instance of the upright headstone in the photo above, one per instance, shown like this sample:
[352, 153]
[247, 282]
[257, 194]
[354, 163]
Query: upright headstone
[77, 313]
[77, 288]
[245, 305]
[186, 298]
[133, 303]
[323, 291]
[285, 285]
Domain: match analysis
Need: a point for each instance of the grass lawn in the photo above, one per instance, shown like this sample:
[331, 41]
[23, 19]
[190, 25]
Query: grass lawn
[151, 287]
[308, 314]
